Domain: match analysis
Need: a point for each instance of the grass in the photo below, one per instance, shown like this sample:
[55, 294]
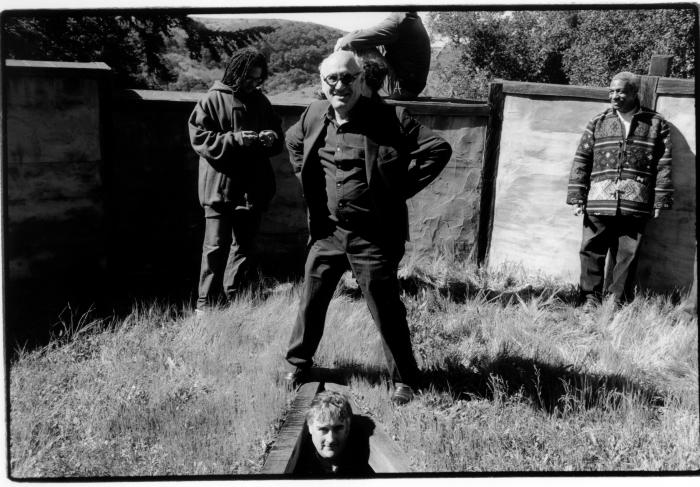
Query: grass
[515, 378]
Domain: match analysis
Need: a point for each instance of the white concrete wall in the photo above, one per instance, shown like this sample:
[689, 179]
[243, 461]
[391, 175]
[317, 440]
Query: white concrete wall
[668, 255]
[532, 224]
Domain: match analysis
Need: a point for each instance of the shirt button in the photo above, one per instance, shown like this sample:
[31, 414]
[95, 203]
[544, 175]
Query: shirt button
[337, 185]
[341, 204]
[337, 149]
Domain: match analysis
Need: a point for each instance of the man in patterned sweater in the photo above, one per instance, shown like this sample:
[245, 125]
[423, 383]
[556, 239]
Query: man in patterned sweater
[621, 176]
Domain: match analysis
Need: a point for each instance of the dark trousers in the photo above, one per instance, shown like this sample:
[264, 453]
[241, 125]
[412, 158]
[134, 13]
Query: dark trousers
[374, 266]
[621, 235]
[228, 254]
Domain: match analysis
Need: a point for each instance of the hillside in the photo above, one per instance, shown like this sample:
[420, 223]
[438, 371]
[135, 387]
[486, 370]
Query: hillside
[294, 50]
[230, 24]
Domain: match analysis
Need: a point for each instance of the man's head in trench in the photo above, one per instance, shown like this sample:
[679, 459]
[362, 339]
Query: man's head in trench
[328, 419]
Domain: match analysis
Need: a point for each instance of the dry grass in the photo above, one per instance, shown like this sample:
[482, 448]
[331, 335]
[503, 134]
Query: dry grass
[514, 379]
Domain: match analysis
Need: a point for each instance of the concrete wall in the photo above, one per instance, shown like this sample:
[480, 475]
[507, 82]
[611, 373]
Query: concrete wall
[101, 188]
[532, 225]
[444, 218]
[53, 172]
[158, 170]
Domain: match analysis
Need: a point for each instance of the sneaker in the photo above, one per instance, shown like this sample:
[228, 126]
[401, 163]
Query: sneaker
[403, 393]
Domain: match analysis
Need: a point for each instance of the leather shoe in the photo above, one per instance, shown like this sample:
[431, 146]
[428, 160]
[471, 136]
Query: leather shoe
[297, 377]
[403, 393]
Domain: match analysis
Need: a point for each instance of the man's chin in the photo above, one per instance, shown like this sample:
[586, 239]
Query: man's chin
[339, 102]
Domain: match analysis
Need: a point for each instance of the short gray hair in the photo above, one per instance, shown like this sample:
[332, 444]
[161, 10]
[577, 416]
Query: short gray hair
[329, 406]
[348, 55]
[633, 80]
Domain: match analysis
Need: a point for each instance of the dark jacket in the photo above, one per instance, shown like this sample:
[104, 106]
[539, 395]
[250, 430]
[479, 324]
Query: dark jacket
[407, 47]
[637, 167]
[229, 172]
[401, 156]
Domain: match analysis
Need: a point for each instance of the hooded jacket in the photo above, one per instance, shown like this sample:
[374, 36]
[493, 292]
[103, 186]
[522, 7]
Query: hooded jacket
[634, 169]
[231, 174]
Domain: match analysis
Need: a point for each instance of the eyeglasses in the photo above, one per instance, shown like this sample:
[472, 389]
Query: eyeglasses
[347, 78]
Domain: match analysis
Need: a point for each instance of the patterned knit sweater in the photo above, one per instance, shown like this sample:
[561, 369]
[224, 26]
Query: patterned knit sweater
[633, 171]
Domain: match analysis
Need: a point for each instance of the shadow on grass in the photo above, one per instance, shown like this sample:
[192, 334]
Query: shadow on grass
[461, 291]
[552, 388]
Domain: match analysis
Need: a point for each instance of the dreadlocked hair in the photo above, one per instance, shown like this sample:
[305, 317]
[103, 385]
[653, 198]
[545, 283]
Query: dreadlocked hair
[241, 62]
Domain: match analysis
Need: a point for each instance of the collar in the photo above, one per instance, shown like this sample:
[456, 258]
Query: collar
[356, 113]
[637, 109]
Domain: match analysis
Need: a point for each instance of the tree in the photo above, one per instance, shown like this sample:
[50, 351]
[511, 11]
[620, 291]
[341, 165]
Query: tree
[579, 47]
[295, 50]
[134, 46]
[609, 41]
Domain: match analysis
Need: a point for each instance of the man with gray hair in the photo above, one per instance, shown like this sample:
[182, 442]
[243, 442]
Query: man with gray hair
[358, 161]
[621, 176]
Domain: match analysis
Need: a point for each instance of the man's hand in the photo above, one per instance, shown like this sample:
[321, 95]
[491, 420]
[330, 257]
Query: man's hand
[657, 212]
[246, 137]
[267, 138]
[579, 209]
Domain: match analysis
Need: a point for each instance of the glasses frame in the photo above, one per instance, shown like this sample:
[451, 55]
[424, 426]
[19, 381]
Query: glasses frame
[347, 78]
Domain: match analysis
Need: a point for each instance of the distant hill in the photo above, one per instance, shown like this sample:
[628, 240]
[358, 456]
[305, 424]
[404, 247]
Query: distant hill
[231, 24]
[294, 50]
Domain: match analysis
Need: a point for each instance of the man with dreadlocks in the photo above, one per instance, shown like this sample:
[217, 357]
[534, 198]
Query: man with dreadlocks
[234, 130]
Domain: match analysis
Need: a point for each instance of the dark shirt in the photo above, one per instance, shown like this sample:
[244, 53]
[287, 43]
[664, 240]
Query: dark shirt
[353, 462]
[342, 157]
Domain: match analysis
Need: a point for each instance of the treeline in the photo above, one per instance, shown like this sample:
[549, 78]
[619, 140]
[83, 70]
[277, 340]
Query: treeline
[566, 46]
[178, 52]
[170, 52]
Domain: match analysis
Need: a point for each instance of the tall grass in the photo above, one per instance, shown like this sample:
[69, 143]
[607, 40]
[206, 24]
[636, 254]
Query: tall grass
[514, 378]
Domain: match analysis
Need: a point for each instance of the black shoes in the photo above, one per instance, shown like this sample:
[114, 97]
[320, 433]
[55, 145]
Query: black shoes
[297, 377]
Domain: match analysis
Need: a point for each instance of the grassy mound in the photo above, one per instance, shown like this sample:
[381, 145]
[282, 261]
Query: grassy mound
[515, 378]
